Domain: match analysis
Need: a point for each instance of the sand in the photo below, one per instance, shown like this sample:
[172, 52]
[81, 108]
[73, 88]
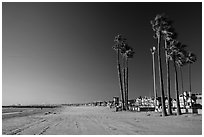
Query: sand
[101, 121]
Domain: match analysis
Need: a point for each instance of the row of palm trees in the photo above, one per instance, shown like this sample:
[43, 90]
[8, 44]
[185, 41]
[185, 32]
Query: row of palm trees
[176, 52]
[122, 48]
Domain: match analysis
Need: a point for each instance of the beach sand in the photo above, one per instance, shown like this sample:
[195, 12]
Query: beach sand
[85, 120]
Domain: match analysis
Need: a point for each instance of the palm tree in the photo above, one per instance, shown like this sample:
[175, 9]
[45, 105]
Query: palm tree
[168, 81]
[158, 25]
[190, 58]
[168, 34]
[182, 90]
[176, 88]
[123, 49]
[127, 53]
[176, 55]
[167, 38]
[124, 84]
[153, 50]
[181, 63]
[118, 43]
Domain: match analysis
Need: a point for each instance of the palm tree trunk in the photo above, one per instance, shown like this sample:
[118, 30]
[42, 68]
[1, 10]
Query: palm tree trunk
[189, 66]
[168, 81]
[120, 79]
[189, 73]
[176, 90]
[184, 105]
[154, 80]
[161, 79]
[127, 83]
[124, 87]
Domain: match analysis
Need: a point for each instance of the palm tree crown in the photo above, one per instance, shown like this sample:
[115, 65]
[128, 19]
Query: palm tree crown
[119, 42]
[191, 58]
[160, 25]
[176, 52]
[130, 53]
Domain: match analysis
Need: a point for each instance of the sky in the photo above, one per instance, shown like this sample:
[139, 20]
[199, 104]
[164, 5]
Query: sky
[55, 53]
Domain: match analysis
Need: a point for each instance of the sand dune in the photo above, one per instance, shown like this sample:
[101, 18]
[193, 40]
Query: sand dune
[101, 121]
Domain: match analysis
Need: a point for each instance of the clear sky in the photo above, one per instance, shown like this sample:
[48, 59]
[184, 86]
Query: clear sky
[62, 52]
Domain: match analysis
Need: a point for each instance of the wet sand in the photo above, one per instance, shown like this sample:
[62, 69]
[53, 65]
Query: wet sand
[101, 121]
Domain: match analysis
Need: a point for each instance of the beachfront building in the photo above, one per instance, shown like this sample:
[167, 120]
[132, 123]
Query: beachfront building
[145, 101]
[198, 98]
[138, 102]
[188, 99]
[189, 102]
